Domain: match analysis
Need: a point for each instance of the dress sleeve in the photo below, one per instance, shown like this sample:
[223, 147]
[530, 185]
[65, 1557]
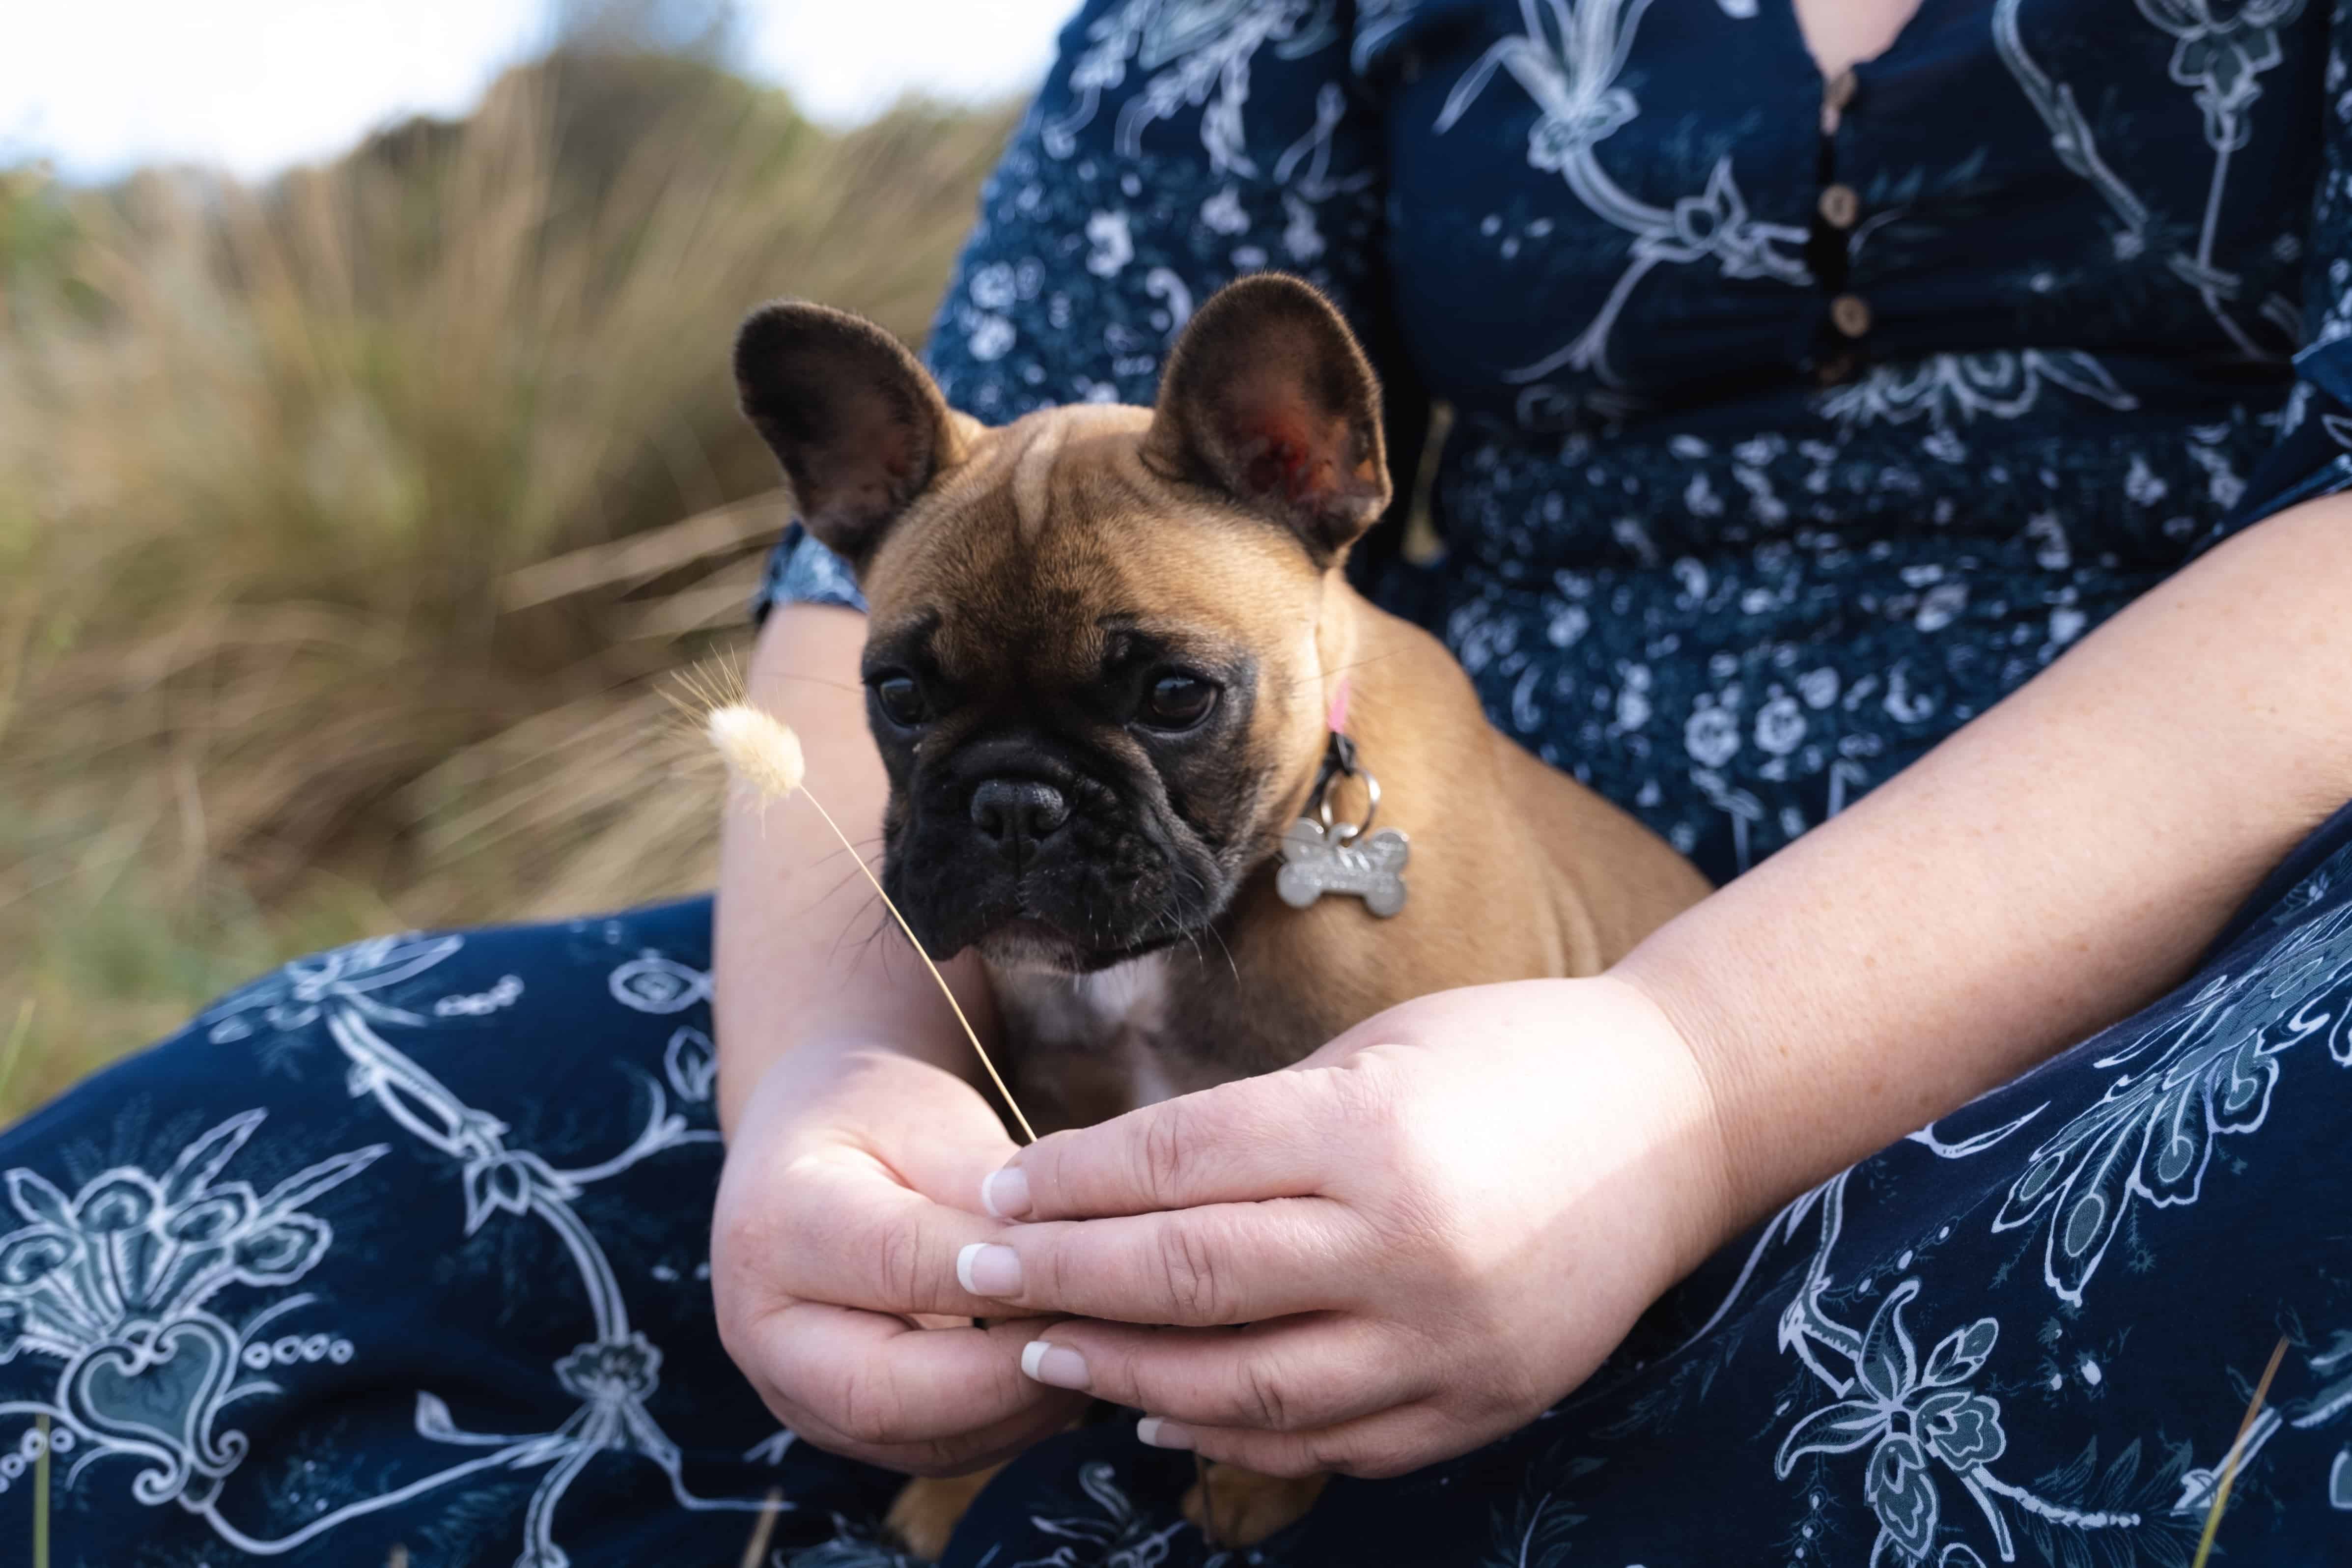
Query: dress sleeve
[2313, 456]
[1172, 148]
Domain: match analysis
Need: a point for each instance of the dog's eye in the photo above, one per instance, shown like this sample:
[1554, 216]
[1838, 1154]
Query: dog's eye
[1178, 702]
[900, 699]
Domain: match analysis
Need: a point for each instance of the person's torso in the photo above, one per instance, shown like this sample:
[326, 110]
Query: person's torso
[1796, 422]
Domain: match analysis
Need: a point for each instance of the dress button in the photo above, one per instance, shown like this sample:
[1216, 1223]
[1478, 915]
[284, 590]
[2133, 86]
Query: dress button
[1850, 313]
[1838, 206]
[1836, 369]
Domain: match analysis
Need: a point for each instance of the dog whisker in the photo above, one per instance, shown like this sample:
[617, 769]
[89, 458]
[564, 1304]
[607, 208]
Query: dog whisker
[1228, 951]
[1342, 669]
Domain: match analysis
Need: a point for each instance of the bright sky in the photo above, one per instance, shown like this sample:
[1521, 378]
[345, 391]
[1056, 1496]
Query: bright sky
[256, 85]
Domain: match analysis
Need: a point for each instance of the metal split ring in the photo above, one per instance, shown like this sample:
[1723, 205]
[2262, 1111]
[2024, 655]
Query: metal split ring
[1323, 801]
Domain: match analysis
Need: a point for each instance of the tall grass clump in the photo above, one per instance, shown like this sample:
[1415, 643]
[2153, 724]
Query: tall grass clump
[348, 524]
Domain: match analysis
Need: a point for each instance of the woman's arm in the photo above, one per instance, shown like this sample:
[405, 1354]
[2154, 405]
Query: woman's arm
[2066, 856]
[802, 953]
[2045, 872]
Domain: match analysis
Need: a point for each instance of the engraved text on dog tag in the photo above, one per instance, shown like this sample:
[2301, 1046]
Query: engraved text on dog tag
[1315, 862]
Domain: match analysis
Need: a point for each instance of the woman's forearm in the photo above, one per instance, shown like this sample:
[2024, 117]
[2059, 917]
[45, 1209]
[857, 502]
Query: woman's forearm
[804, 951]
[2049, 869]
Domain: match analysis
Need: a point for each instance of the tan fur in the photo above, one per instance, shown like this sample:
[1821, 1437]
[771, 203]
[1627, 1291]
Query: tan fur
[1233, 1507]
[926, 1512]
[1032, 478]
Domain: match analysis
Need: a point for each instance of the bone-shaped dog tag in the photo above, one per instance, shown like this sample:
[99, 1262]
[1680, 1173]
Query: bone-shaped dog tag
[1370, 868]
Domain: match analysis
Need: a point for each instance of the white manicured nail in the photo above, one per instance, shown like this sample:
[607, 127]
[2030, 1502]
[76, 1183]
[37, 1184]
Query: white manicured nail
[984, 1268]
[1005, 1193]
[1157, 1433]
[1055, 1367]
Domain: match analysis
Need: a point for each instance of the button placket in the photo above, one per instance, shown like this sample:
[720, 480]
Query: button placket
[1836, 210]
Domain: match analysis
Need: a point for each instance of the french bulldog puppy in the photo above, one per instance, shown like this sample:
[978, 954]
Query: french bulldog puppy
[1107, 650]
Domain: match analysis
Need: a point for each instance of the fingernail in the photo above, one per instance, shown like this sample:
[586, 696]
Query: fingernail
[1057, 1366]
[984, 1268]
[1005, 1193]
[1158, 1434]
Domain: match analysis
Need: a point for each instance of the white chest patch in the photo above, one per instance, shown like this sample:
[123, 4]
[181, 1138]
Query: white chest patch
[1126, 1000]
[1129, 995]
[1147, 1082]
[1129, 1003]
[1119, 1011]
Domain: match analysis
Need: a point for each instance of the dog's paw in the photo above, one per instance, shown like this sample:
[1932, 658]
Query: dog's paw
[929, 1508]
[1241, 1508]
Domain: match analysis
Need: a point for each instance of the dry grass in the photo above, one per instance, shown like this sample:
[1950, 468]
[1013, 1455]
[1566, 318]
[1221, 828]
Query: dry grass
[349, 526]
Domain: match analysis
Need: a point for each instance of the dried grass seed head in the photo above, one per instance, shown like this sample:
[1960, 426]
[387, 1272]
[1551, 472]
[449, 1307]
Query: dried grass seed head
[760, 749]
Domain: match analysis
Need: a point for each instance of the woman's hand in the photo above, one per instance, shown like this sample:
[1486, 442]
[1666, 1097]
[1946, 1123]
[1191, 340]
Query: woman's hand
[1434, 1227]
[843, 1176]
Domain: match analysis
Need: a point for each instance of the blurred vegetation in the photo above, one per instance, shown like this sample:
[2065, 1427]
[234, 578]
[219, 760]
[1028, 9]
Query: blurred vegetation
[350, 525]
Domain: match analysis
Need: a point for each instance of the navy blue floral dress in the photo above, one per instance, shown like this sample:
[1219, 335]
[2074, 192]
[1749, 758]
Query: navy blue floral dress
[1789, 425]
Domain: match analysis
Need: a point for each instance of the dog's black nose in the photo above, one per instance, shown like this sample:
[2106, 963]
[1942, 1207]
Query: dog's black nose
[1015, 814]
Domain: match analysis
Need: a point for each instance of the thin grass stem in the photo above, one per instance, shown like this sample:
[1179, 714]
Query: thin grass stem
[1208, 1503]
[2230, 1464]
[755, 1550]
[41, 1496]
[12, 1054]
[1028, 1133]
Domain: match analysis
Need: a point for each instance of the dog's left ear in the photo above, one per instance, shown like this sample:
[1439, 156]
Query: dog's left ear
[856, 421]
[1267, 397]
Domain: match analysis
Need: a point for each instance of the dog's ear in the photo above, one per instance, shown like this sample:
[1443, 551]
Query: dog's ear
[857, 423]
[1267, 397]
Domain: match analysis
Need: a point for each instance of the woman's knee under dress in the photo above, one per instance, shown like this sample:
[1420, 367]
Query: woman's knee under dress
[331, 1277]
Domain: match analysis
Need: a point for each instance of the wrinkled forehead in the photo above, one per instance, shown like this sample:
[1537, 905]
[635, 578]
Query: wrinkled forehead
[1055, 552]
